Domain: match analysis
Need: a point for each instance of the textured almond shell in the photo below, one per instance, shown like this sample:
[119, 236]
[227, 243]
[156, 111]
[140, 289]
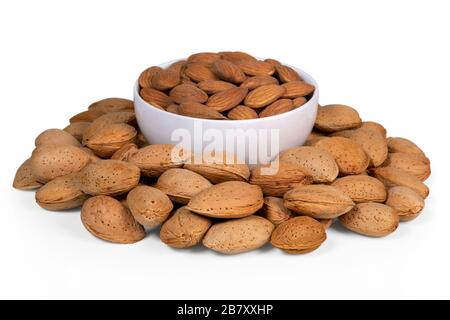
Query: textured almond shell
[61, 193]
[375, 126]
[371, 219]
[108, 219]
[232, 199]
[318, 201]
[275, 211]
[125, 152]
[154, 159]
[362, 188]
[350, 156]
[315, 162]
[181, 184]
[112, 105]
[299, 235]
[77, 129]
[184, 229]
[52, 161]
[238, 236]
[287, 177]
[149, 206]
[24, 178]
[406, 202]
[396, 144]
[392, 177]
[109, 177]
[56, 137]
[336, 117]
[109, 139]
[416, 165]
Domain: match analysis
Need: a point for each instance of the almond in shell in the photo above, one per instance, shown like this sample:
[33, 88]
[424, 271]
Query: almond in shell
[315, 162]
[264, 95]
[296, 89]
[275, 211]
[375, 126]
[299, 235]
[362, 188]
[232, 199]
[228, 71]
[336, 117]
[61, 193]
[371, 219]
[184, 229]
[124, 153]
[149, 206]
[396, 144]
[109, 177]
[278, 107]
[24, 178]
[181, 184]
[242, 113]
[318, 201]
[87, 116]
[350, 156]
[188, 93]
[154, 159]
[239, 235]
[108, 219]
[112, 105]
[77, 129]
[414, 164]
[406, 202]
[56, 137]
[51, 161]
[392, 177]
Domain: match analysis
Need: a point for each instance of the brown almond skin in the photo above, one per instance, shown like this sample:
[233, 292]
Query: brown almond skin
[242, 113]
[227, 99]
[371, 141]
[392, 177]
[178, 67]
[156, 98]
[362, 188]
[232, 199]
[336, 117]
[315, 162]
[198, 110]
[61, 193]
[24, 178]
[56, 137]
[236, 57]
[154, 159]
[318, 201]
[215, 86]
[278, 107]
[287, 74]
[296, 89]
[184, 229]
[165, 79]
[207, 58]
[275, 211]
[371, 219]
[350, 156]
[108, 219]
[188, 93]
[198, 72]
[264, 95]
[406, 202]
[273, 62]
[149, 206]
[173, 108]
[77, 129]
[228, 71]
[181, 184]
[298, 102]
[258, 81]
[52, 161]
[299, 235]
[239, 235]
[396, 144]
[414, 164]
[287, 177]
[257, 68]
[109, 177]
[145, 79]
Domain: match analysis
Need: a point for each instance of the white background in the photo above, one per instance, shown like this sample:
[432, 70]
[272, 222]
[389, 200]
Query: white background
[389, 59]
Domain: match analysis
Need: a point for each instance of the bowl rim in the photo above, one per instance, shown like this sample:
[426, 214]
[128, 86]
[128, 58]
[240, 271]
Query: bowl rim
[300, 109]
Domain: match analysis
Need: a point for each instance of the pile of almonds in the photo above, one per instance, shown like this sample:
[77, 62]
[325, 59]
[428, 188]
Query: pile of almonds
[347, 171]
[225, 85]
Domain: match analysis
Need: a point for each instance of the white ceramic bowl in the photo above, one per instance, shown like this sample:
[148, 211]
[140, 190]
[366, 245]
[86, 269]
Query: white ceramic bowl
[256, 139]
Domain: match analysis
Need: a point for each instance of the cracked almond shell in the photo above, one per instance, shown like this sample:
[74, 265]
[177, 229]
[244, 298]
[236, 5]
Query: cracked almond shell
[362, 188]
[239, 235]
[184, 229]
[24, 178]
[371, 219]
[109, 177]
[232, 199]
[108, 219]
[318, 201]
[275, 211]
[149, 206]
[299, 235]
[406, 202]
